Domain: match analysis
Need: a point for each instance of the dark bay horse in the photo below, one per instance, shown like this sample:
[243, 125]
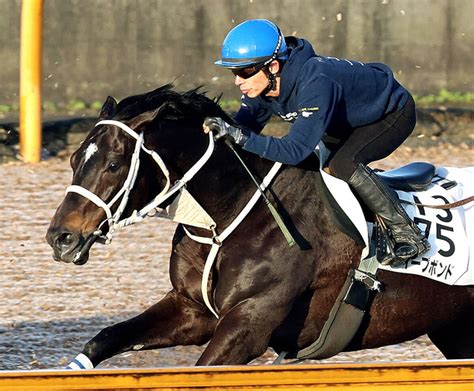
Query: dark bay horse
[265, 292]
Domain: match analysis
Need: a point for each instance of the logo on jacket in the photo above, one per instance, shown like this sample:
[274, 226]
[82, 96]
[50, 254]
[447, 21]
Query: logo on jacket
[290, 117]
[308, 111]
[305, 112]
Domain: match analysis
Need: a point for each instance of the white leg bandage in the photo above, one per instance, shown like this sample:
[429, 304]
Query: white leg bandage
[80, 362]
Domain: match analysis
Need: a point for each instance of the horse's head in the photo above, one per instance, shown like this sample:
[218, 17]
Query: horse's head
[103, 169]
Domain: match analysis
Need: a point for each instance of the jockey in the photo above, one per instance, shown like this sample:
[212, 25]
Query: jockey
[358, 110]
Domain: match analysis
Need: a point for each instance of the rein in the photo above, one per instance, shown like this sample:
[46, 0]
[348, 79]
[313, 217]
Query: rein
[137, 216]
[450, 205]
[286, 232]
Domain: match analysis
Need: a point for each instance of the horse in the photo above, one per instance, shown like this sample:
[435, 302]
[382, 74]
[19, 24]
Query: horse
[265, 293]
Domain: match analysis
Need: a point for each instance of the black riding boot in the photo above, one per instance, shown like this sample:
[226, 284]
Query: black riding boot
[409, 241]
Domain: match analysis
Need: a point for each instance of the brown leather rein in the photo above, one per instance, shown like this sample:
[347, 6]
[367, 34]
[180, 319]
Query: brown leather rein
[445, 206]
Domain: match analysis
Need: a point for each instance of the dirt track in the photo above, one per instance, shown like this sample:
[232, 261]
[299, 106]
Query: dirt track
[49, 310]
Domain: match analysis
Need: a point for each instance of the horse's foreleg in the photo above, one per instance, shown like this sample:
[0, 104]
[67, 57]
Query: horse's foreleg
[172, 321]
[243, 333]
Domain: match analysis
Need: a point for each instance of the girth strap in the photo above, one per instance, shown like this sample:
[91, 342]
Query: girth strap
[346, 315]
[343, 322]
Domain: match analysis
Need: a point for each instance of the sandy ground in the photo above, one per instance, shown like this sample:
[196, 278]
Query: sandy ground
[49, 310]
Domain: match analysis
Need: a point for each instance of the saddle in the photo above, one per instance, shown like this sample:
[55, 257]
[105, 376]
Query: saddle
[411, 177]
[415, 176]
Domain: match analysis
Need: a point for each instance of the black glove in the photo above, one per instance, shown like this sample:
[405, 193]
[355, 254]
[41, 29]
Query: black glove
[221, 129]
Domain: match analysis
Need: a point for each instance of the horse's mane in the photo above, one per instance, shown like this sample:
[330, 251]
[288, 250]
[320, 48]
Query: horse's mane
[192, 105]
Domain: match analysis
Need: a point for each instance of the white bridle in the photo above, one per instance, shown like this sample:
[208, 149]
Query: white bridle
[114, 219]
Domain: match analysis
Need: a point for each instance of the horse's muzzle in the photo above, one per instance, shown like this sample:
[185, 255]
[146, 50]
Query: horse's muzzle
[70, 246]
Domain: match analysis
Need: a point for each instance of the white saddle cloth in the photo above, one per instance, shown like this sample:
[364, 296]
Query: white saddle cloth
[450, 232]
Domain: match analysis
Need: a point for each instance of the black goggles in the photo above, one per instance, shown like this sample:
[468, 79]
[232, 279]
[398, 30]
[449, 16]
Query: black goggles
[248, 72]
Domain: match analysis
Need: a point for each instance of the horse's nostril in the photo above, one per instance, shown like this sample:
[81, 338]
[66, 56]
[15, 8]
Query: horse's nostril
[65, 240]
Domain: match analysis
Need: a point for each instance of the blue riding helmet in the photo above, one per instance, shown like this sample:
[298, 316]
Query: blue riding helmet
[252, 42]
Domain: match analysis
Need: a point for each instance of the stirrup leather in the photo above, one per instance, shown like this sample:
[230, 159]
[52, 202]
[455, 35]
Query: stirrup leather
[385, 245]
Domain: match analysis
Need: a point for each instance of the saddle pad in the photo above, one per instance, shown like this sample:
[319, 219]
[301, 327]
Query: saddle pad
[451, 257]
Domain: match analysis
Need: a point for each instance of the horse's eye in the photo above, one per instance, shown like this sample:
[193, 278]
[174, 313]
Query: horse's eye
[113, 166]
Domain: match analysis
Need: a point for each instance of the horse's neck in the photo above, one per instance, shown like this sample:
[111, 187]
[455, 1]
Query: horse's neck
[224, 187]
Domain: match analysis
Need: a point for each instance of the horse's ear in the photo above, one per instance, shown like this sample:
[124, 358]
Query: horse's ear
[108, 108]
[144, 118]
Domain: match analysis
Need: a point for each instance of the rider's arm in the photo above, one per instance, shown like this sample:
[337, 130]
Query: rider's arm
[317, 99]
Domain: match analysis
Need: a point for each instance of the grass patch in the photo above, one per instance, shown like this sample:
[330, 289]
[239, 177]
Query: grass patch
[444, 97]
[230, 104]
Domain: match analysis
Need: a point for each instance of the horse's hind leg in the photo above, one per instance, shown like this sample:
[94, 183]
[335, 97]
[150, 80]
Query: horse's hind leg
[172, 321]
[456, 340]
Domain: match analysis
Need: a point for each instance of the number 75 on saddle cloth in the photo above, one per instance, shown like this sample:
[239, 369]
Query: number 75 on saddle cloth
[449, 231]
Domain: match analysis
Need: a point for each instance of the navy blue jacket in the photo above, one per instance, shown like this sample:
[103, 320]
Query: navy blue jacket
[317, 94]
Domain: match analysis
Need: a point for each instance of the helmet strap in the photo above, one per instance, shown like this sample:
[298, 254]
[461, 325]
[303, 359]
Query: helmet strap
[271, 81]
